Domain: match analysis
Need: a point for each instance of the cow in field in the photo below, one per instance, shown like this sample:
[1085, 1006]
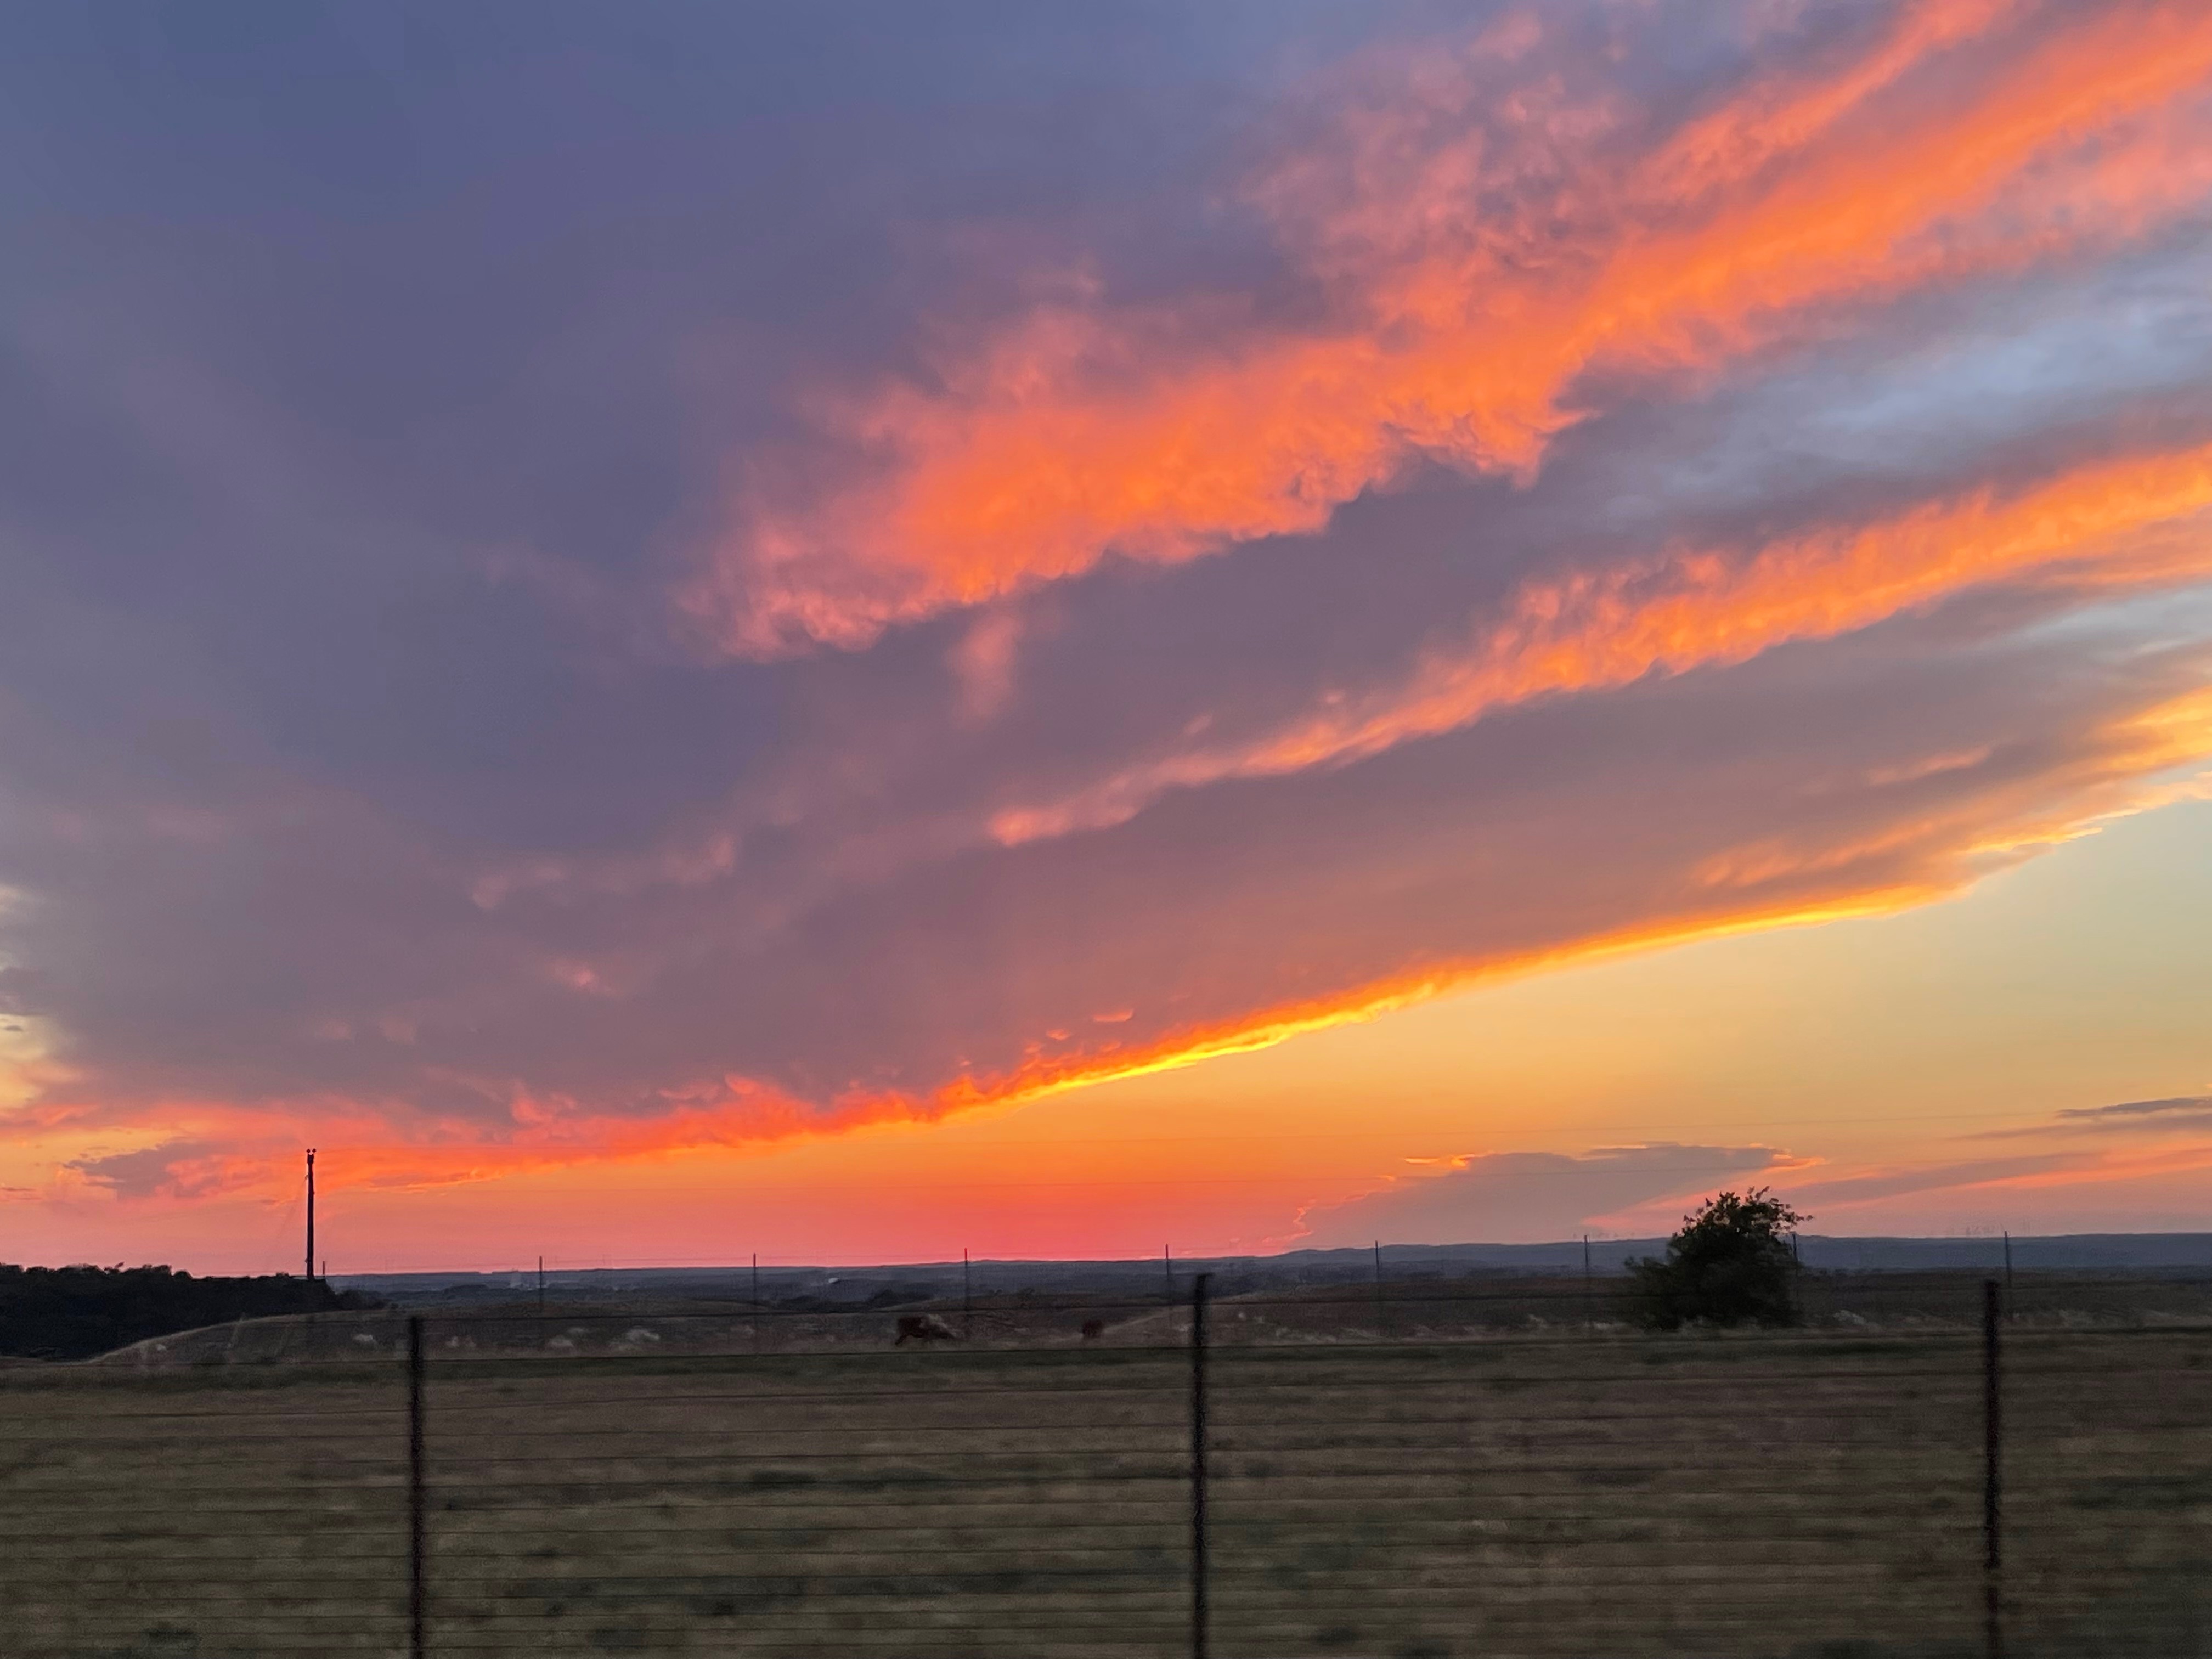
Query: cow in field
[1093, 1329]
[924, 1328]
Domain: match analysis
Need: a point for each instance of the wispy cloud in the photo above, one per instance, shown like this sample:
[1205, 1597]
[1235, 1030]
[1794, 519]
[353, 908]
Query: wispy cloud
[1498, 230]
[1699, 607]
[2177, 1114]
[2164, 1111]
[1842, 1191]
[1524, 1197]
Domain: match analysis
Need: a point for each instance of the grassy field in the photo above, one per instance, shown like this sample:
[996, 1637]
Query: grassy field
[1551, 1494]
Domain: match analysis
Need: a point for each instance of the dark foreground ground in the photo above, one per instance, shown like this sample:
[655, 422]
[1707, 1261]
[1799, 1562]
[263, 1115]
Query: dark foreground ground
[1404, 1477]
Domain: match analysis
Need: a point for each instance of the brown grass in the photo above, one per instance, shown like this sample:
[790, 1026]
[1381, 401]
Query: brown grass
[1551, 1495]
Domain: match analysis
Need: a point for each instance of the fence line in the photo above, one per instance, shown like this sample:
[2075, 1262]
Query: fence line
[1420, 1498]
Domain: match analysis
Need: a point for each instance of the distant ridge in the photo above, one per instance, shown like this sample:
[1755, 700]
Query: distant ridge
[2059, 1253]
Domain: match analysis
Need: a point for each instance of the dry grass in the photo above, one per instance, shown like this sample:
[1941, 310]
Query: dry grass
[1421, 1499]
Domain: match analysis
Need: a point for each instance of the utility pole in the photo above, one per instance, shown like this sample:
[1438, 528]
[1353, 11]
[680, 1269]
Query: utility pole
[541, 1288]
[310, 1215]
[967, 1290]
[1167, 1256]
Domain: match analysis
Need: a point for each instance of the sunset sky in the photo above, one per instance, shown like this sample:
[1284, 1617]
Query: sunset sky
[855, 631]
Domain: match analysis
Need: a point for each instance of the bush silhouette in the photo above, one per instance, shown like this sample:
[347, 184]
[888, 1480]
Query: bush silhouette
[1731, 1264]
[73, 1313]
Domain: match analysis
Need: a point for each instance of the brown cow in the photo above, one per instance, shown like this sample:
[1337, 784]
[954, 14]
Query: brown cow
[924, 1328]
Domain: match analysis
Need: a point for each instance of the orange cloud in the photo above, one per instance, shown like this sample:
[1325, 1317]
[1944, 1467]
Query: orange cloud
[205, 1148]
[218, 1148]
[1926, 858]
[1690, 608]
[2032, 1172]
[1480, 264]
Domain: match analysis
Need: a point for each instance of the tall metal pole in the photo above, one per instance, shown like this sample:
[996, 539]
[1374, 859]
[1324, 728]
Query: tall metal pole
[417, 1532]
[1992, 1476]
[541, 1288]
[1200, 1629]
[1589, 1290]
[310, 1215]
[1167, 1256]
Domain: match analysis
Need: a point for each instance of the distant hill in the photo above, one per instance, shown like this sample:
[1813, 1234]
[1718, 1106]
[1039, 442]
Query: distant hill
[73, 1313]
[893, 1282]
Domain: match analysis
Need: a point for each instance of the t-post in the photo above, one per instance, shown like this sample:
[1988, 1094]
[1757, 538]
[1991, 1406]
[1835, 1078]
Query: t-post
[1200, 1631]
[1992, 1473]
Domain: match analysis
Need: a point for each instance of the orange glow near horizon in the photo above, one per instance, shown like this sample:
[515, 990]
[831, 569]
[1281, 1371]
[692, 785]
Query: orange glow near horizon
[758, 1119]
[762, 1120]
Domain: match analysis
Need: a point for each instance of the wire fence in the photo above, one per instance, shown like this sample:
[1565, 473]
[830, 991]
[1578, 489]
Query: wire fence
[1424, 1472]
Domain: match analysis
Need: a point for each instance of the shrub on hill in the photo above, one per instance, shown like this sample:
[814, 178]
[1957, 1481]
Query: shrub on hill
[73, 1313]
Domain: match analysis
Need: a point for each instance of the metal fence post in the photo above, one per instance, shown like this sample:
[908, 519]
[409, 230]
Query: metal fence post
[1200, 1630]
[1380, 1331]
[417, 1534]
[1992, 1474]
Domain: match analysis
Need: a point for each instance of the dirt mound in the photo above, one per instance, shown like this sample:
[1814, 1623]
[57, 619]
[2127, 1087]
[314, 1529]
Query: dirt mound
[285, 1339]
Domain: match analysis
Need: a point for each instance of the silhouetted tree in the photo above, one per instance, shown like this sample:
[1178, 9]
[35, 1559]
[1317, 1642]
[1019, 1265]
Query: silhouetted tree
[72, 1313]
[1731, 1264]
